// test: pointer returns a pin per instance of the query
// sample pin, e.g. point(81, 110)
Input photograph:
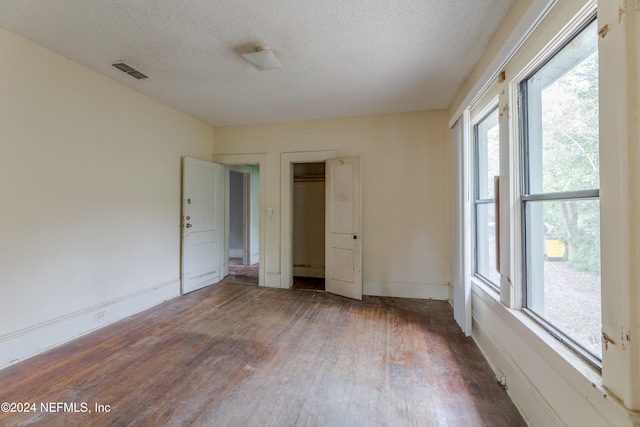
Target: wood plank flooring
point(308, 283)
point(235, 354)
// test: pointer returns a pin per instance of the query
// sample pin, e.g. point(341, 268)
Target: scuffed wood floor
point(238, 355)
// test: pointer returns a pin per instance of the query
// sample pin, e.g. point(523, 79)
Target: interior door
point(202, 219)
point(343, 225)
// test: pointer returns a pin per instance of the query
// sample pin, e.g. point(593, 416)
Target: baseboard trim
point(308, 271)
point(273, 280)
point(520, 388)
point(437, 291)
point(28, 342)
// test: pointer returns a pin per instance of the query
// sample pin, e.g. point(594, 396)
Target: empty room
point(421, 213)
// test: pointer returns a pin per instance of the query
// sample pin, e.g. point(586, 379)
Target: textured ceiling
point(342, 57)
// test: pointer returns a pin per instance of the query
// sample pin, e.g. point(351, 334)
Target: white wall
point(548, 382)
point(90, 184)
point(406, 215)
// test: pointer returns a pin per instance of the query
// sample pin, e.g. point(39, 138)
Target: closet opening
point(308, 233)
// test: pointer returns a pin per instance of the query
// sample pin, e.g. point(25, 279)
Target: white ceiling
point(342, 57)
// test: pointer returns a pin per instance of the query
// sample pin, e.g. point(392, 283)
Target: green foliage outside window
point(571, 161)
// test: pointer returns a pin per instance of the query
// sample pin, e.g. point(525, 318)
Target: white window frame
point(525, 195)
point(476, 200)
point(618, 65)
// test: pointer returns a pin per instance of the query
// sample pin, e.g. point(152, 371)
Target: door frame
point(287, 161)
point(244, 160)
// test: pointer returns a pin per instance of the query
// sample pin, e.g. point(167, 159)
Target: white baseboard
point(437, 291)
point(531, 404)
point(273, 280)
point(22, 344)
point(308, 271)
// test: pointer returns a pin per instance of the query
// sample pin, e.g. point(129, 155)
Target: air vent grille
point(130, 70)
point(137, 74)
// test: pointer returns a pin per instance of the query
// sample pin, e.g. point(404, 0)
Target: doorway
point(308, 226)
point(343, 220)
point(243, 222)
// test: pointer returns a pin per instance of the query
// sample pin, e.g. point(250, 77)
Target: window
point(486, 166)
point(560, 194)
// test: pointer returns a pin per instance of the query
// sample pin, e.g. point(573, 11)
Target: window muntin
point(561, 213)
point(486, 166)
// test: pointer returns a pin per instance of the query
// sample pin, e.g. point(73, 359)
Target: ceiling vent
point(130, 70)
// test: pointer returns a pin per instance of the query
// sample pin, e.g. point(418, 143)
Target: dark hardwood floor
point(308, 283)
point(235, 354)
point(244, 273)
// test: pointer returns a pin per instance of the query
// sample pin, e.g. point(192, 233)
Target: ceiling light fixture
point(263, 59)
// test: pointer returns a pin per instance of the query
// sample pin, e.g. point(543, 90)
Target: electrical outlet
point(99, 316)
point(502, 380)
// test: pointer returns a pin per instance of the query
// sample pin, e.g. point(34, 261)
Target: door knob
point(355, 237)
point(188, 226)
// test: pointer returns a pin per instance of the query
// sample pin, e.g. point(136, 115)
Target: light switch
point(269, 211)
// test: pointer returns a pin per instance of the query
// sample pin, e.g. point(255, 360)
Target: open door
point(343, 247)
point(202, 219)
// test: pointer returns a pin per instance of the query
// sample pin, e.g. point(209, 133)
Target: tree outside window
point(561, 194)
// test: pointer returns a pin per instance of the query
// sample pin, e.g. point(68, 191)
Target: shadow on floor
point(308, 283)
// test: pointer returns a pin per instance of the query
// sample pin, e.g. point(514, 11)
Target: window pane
point(562, 112)
point(487, 165)
point(562, 247)
point(488, 155)
point(486, 242)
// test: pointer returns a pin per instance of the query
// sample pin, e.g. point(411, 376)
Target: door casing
point(287, 161)
point(261, 161)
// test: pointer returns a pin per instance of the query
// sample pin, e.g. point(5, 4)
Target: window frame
point(477, 201)
point(526, 197)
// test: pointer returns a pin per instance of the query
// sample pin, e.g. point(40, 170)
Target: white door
point(343, 247)
point(202, 219)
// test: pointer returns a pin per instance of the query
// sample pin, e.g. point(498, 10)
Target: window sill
point(478, 284)
point(546, 344)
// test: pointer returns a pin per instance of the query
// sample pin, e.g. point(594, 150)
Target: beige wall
point(90, 192)
point(406, 210)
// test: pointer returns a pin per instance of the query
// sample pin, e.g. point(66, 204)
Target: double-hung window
point(486, 167)
point(560, 194)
